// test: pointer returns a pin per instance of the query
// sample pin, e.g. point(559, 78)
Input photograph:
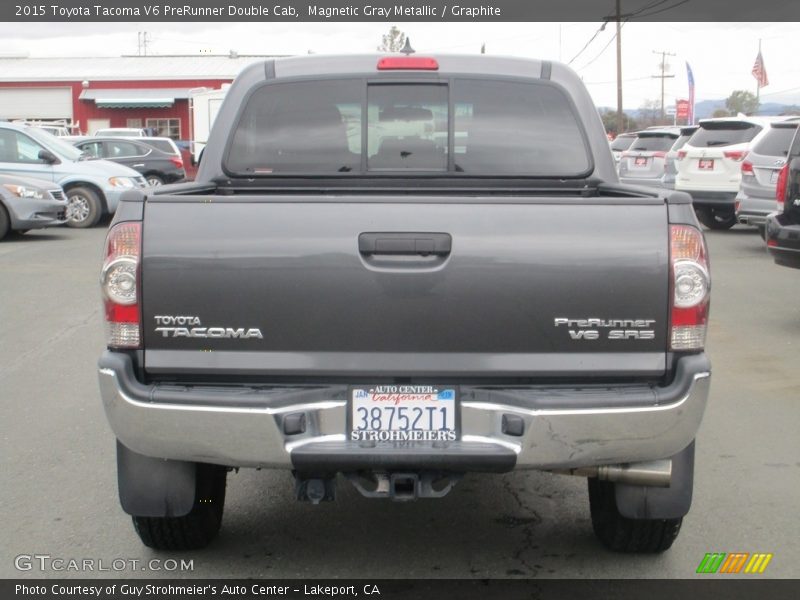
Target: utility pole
point(664, 55)
point(620, 125)
point(142, 42)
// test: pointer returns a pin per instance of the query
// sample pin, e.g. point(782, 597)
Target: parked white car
point(709, 165)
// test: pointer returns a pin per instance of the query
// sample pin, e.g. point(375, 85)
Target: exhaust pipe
point(655, 473)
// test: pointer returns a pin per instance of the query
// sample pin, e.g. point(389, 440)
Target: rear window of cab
point(460, 127)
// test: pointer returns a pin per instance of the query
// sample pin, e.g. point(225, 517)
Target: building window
point(134, 123)
point(170, 128)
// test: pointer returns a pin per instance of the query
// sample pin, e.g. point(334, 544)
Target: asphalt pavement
point(58, 490)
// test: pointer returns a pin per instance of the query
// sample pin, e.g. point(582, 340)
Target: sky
point(721, 54)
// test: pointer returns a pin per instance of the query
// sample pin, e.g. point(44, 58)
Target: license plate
point(640, 161)
point(705, 164)
point(403, 413)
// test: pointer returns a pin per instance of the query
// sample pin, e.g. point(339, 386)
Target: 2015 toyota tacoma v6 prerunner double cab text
point(401, 269)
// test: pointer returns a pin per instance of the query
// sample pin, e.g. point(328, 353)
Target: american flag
point(760, 72)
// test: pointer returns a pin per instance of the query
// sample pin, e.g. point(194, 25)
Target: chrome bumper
point(563, 427)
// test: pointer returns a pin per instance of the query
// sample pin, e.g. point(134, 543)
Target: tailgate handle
point(417, 244)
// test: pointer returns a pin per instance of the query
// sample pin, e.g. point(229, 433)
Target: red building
point(127, 91)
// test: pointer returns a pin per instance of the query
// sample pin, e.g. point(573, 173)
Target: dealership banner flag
point(760, 71)
point(690, 75)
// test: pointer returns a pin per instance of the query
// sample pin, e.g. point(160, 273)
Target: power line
point(603, 50)
point(603, 26)
point(586, 45)
point(644, 8)
point(624, 81)
point(666, 8)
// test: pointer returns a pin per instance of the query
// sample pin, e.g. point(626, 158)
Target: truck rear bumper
point(502, 428)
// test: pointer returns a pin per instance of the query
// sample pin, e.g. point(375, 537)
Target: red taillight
point(690, 288)
point(413, 63)
point(119, 281)
point(176, 161)
point(736, 155)
point(781, 185)
point(747, 168)
point(681, 155)
point(659, 154)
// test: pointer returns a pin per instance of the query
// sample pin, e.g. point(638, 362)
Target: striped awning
point(136, 98)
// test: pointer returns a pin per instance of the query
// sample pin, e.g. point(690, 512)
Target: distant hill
point(705, 108)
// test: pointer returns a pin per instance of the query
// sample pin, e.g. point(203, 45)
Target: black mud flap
point(154, 487)
point(673, 502)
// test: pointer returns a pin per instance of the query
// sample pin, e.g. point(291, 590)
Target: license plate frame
point(705, 164)
point(391, 392)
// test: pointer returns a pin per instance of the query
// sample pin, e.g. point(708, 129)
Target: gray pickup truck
point(396, 270)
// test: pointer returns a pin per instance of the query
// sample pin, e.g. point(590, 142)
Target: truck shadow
point(514, 525)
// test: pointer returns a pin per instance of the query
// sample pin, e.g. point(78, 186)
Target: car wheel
point(196, 529)
point(622, 534)
point(83, 207)
point(716, 219)
point(5, 222)
point(154, 180)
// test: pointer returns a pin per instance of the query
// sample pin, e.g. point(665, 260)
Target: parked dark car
point(157, 166)
point(783, 226)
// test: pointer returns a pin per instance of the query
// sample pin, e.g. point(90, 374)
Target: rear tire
point(714, 218)
point(84, 208)
point(154, 180)
point(621, 534)
point(196, 529)
point(5, 222)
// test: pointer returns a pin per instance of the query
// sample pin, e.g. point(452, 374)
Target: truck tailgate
point(445, 287)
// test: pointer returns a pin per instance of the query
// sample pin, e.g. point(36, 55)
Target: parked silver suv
point(760, 169)
point(643, 162)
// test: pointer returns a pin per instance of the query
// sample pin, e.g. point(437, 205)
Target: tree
point(742, 101)
point(609, 118)
point(392, 41)
point(650, 114)
point(720, 112)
